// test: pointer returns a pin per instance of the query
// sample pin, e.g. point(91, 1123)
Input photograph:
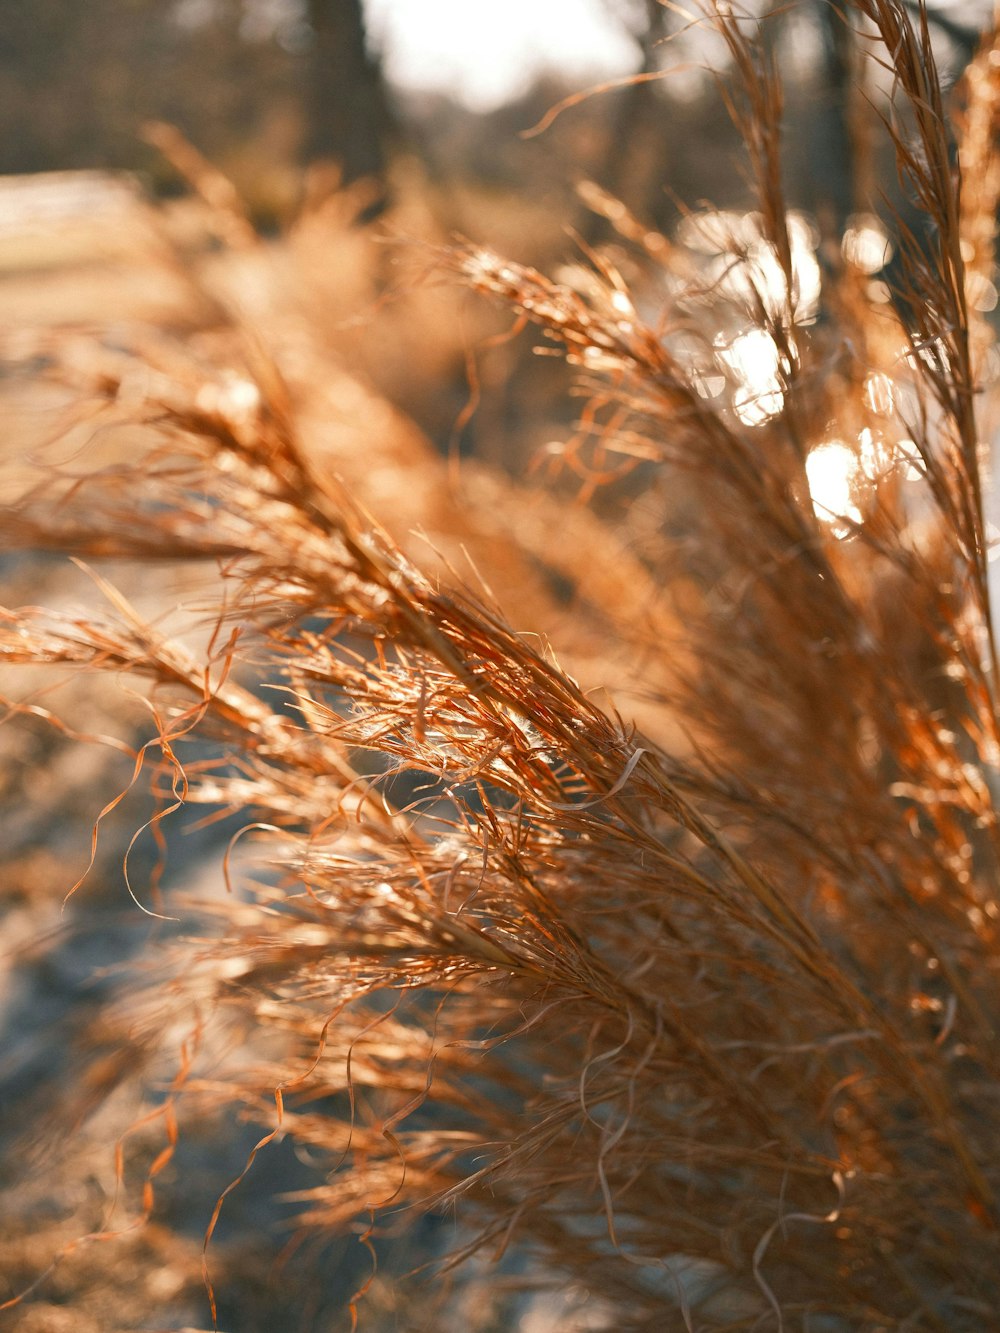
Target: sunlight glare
point(866, 245)
point(755, 362)
point(745, 264)
point(831, 470)
point(874, 459)
point(880, 394)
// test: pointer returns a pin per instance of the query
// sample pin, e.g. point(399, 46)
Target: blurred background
point(429, 108)
point(267, 87)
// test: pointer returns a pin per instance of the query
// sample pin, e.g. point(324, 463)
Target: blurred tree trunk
point(348, 113)
point(840, 162)
point(634, 165)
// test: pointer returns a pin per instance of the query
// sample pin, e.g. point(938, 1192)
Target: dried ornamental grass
point(709, 1034)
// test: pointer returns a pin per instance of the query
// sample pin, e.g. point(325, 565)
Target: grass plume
point(697, 1010)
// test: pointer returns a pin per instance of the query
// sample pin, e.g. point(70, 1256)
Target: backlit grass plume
point(682, 985)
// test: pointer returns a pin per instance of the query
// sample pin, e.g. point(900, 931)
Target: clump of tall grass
point(707, 1030)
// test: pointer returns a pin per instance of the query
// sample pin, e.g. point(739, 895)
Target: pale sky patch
point(484, 52)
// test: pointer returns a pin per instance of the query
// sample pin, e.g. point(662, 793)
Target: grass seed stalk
point(683, 990)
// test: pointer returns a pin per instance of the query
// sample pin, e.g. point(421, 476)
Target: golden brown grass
point(700, 1018)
